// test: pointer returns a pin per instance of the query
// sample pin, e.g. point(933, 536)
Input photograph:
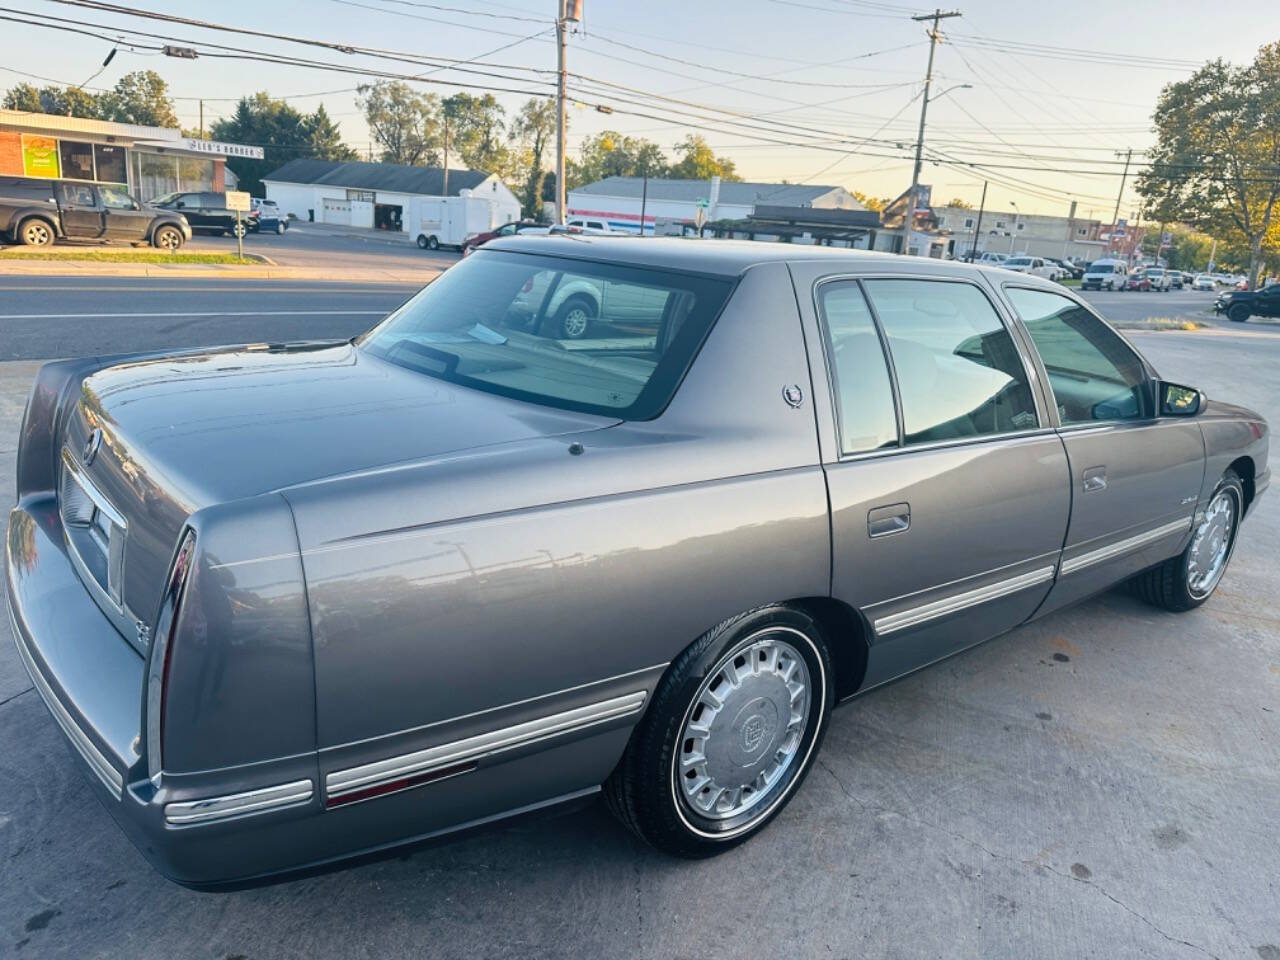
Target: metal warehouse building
point(377, 195)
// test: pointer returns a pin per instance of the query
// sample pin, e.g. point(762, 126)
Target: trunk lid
point(184, 432)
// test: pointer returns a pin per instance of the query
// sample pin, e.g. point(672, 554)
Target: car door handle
point(886, 521)
point(1095, 478)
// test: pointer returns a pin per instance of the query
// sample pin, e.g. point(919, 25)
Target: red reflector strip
point(395, 786)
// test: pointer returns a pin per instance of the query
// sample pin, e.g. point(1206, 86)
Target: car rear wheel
point(36, 233)
point(167, 238)
point(1238, 313)
point(1189, 579)
point(280, 227)
point(732, 730)
point(574, 318)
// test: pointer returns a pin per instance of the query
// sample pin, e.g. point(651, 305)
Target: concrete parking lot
point(1103, 783)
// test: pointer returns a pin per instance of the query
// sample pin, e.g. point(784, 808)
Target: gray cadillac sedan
point(586, 514)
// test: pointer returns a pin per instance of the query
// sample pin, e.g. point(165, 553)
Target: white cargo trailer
point(447, 221)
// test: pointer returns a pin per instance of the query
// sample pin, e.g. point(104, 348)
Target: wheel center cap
point(753, 731)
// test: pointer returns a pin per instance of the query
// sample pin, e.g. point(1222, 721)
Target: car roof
point(730, 258)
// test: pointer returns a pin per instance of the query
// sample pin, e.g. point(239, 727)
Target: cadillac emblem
point(91, 446)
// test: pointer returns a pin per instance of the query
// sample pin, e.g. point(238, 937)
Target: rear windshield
point(1018, 262)
point(594, 337)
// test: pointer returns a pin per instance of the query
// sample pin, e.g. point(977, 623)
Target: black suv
point(36, 211)
point(1240, 305)
point(205, 211)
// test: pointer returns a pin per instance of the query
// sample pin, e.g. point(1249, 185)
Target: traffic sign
point(238, 200)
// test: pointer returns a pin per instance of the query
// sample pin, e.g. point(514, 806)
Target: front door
point(948, 508)
point(81, 214)
point(125, 218)
point(1135, 476)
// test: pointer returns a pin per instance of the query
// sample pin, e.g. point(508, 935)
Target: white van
point(1105, 275)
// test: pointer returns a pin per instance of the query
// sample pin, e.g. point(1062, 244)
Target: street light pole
point(909, 219)
point(567, 11)
point(1013, 234)
point(977, 229)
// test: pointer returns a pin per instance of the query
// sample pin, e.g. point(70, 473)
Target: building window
point(364, 196)
point(195, 174)
point(968, 224)
point(156, 174)
point(1081, 231)
point(999, 224)
point(1022, 226)
point(77, 159)
point(108, 162)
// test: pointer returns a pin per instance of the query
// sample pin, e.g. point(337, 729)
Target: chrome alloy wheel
point(1211, 545)
point(743, 733)
point(575, 322)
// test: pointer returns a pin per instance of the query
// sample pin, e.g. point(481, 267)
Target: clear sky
point(838, 75)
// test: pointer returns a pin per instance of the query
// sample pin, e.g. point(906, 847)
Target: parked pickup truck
point(1240, 305)
point(35, 211)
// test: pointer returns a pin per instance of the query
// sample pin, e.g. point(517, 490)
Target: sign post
point(238, 201)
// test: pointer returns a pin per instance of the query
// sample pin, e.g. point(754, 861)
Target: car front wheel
point(167, 238)
point(1189, 579)
point(1238, 313)
point(732, 730)
point(574, 318)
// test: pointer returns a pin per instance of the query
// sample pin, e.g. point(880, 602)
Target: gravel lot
point(1103, 783)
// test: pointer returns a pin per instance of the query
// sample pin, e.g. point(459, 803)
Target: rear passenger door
point(948, 489)
point(81, 213)
point(1135, 476)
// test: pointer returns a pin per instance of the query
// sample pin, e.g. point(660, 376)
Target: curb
point(50, 268)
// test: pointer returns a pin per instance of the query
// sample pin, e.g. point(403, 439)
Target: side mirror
point(1179, 401)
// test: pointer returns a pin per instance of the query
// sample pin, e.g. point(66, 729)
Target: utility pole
point(202, 119)
point(567, 11)
point(977, 230)
point(445, 191)
point(909, 221)
point(644, 197)
point(1123, 177)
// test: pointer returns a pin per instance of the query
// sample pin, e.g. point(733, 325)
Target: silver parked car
point(290, 603)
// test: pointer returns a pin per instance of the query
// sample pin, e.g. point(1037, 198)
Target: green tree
point(477, 127)
point(140, 97)
point(324, 139)
point(532, 129)
point(404, 122)
point(698, 162)
point(61, 101)
point(610, 154)
point(1216, 163)
point(284, 134)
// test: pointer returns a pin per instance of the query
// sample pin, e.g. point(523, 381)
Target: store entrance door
point(388, 216)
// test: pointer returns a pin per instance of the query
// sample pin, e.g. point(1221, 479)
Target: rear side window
point(959, 373)
point(860, 376)
point(1094, 374)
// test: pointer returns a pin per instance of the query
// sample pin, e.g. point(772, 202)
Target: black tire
point(433, 242)
point(238, 230)
point(1168, 585)
point(280, 228)
point(643, 792)
point(422, 242)
point(574, 318)
point(1237, 313)
point(167, 238)
point(36, 232)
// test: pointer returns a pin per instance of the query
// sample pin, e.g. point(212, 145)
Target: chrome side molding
point(237, 804)
point(1124, 546)
point(111, 778)
point(962, 601)
point(460, 756)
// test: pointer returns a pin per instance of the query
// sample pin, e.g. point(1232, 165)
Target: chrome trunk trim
point(1124, 546)
point(342, 782)
point(111, 778)
point(962, 601)
point(239, 804)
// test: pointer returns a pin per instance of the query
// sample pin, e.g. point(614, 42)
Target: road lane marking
point(211, 313)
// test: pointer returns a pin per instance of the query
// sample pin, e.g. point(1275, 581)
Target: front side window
point(115, 198)
point(600, 338)
point(1094, 374)
point(959, 373)
point(860, 376)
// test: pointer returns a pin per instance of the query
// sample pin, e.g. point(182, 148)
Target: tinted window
point(959, 374)
point(77, 160)
point(79, 195)
point(115, 198)
point(601, 338)
point(1094, 374)
point(864, 396)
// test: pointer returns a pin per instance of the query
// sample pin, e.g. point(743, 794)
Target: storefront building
point(150, 161)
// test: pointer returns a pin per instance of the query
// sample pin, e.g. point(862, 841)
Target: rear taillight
point(162, 650)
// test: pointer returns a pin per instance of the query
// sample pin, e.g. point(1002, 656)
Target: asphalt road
point(1102, 783)
point(1132, 307)
point(318, 245)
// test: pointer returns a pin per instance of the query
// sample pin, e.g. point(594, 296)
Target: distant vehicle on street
point(1137, 281)
point(592, 226)
point(206, 211)
point(296, 603)
point(1158, 279)
point(265, 215)
point(35, 211)
point(1034, 266)
point(1070, 269)
point(1240, 305)
point(1105, 275)
point(1176, 279)
point(991, 258)
point(1203, 282)
point(506, 230)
